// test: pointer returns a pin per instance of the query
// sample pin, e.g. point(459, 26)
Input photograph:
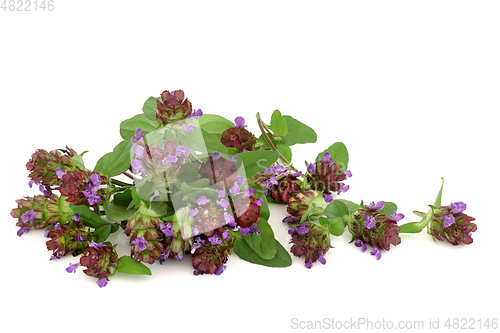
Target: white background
point(411, 88)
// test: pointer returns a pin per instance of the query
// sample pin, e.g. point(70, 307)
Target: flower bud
point(450, 224)
point(70, 238)
point(172, 107)
point(327, 176)
point(239, 138)
point(101, 261)
point(301, 202)
point(310, 240)
point(43, 165)
point(83, 187)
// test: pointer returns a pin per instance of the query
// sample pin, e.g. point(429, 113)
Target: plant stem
point(120, 183)
point(262, 127)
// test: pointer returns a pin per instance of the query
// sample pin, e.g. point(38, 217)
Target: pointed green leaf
point(351, 206)
point(129, 126)
point(90, 218)
point(336, 208)
point(263, 244)
point(298, 133)
point(149, 108)
point(285, 151)
point(116, 162)
point(411, 228)
point(336, 225)
point(101, 233)
point(215, 124)
point(128, 265)
point(257, 161)
point(117, 212)
point(281, 259)
point(278, 124)
point(388, 209)
point(437, 202)
point(338, 152)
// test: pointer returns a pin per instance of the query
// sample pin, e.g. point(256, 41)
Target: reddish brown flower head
point(373, 228)
point(239, 138)
point(172, 107)
point(247, 211)
point(69, 238)
point(310, 240)
point(327, 176)
point(83, 187)
point(220, 172)
point(43, 165)
point(450, 224)
point(209, 258)
point(101, 261)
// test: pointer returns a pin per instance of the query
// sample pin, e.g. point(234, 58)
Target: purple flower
point(76, 217)
point(343, 189)
point(229, 220)
point(448, 220)
point(309, 264)
point(140, 243)
point(259, 202)
point(166, 229)
point(97, 245)
point(189, 128)
point(239, 180)
point(239, 122)
point(290, 219)
point(139, 151)
point(235, 189)
point(225, 235)
point(396, 217)
point(223, 203)
point(95, 179)
point(369, 222)
point(458, 207)
point(57, 227)
point(326, 158)
point(137, 166)
point(215, 240)
point(196, 114)
point(221, 193)
point(297, 174)
point(93, 199)
point(102, 282)
point(203, 200)
point(23, 230)
point(60, 173)
point(311, 168)
point(361, 244)
point(72, 268)
point(138, 135)
point(321, 259)
point(348, 174)
point(302, 229)
point(193, 212)
point(377, 206)
point(248, 192)
point(28, 216)
point(182, 151)
point(376, 252)
point(328, 197)
point(169, 159)
point(80, 238)
point(215, 156)
point(220, 269)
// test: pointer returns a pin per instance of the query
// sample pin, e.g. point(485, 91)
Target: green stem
point(263, 129)
point(120, 183)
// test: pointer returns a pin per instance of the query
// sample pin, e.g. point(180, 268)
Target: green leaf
point(281, 259)
point(213, 144)
point(388, 209)
point(285, 151)
point(78, 161)
point(101, 233)
point(278, 124)
point(437, 202)
point(338, 152)
point(129, 126)
point(262, 244)
point(214, 124)
point(257, 161)
point(90, 218)
point(149, 108)
point(128, 265)
point(117, 212)
point(298, 133)
point(336, 208)
point(336, 225)
point(411, 228)
point(118, 161)
point(351, 206)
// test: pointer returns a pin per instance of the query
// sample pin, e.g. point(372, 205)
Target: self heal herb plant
point(184, 185)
